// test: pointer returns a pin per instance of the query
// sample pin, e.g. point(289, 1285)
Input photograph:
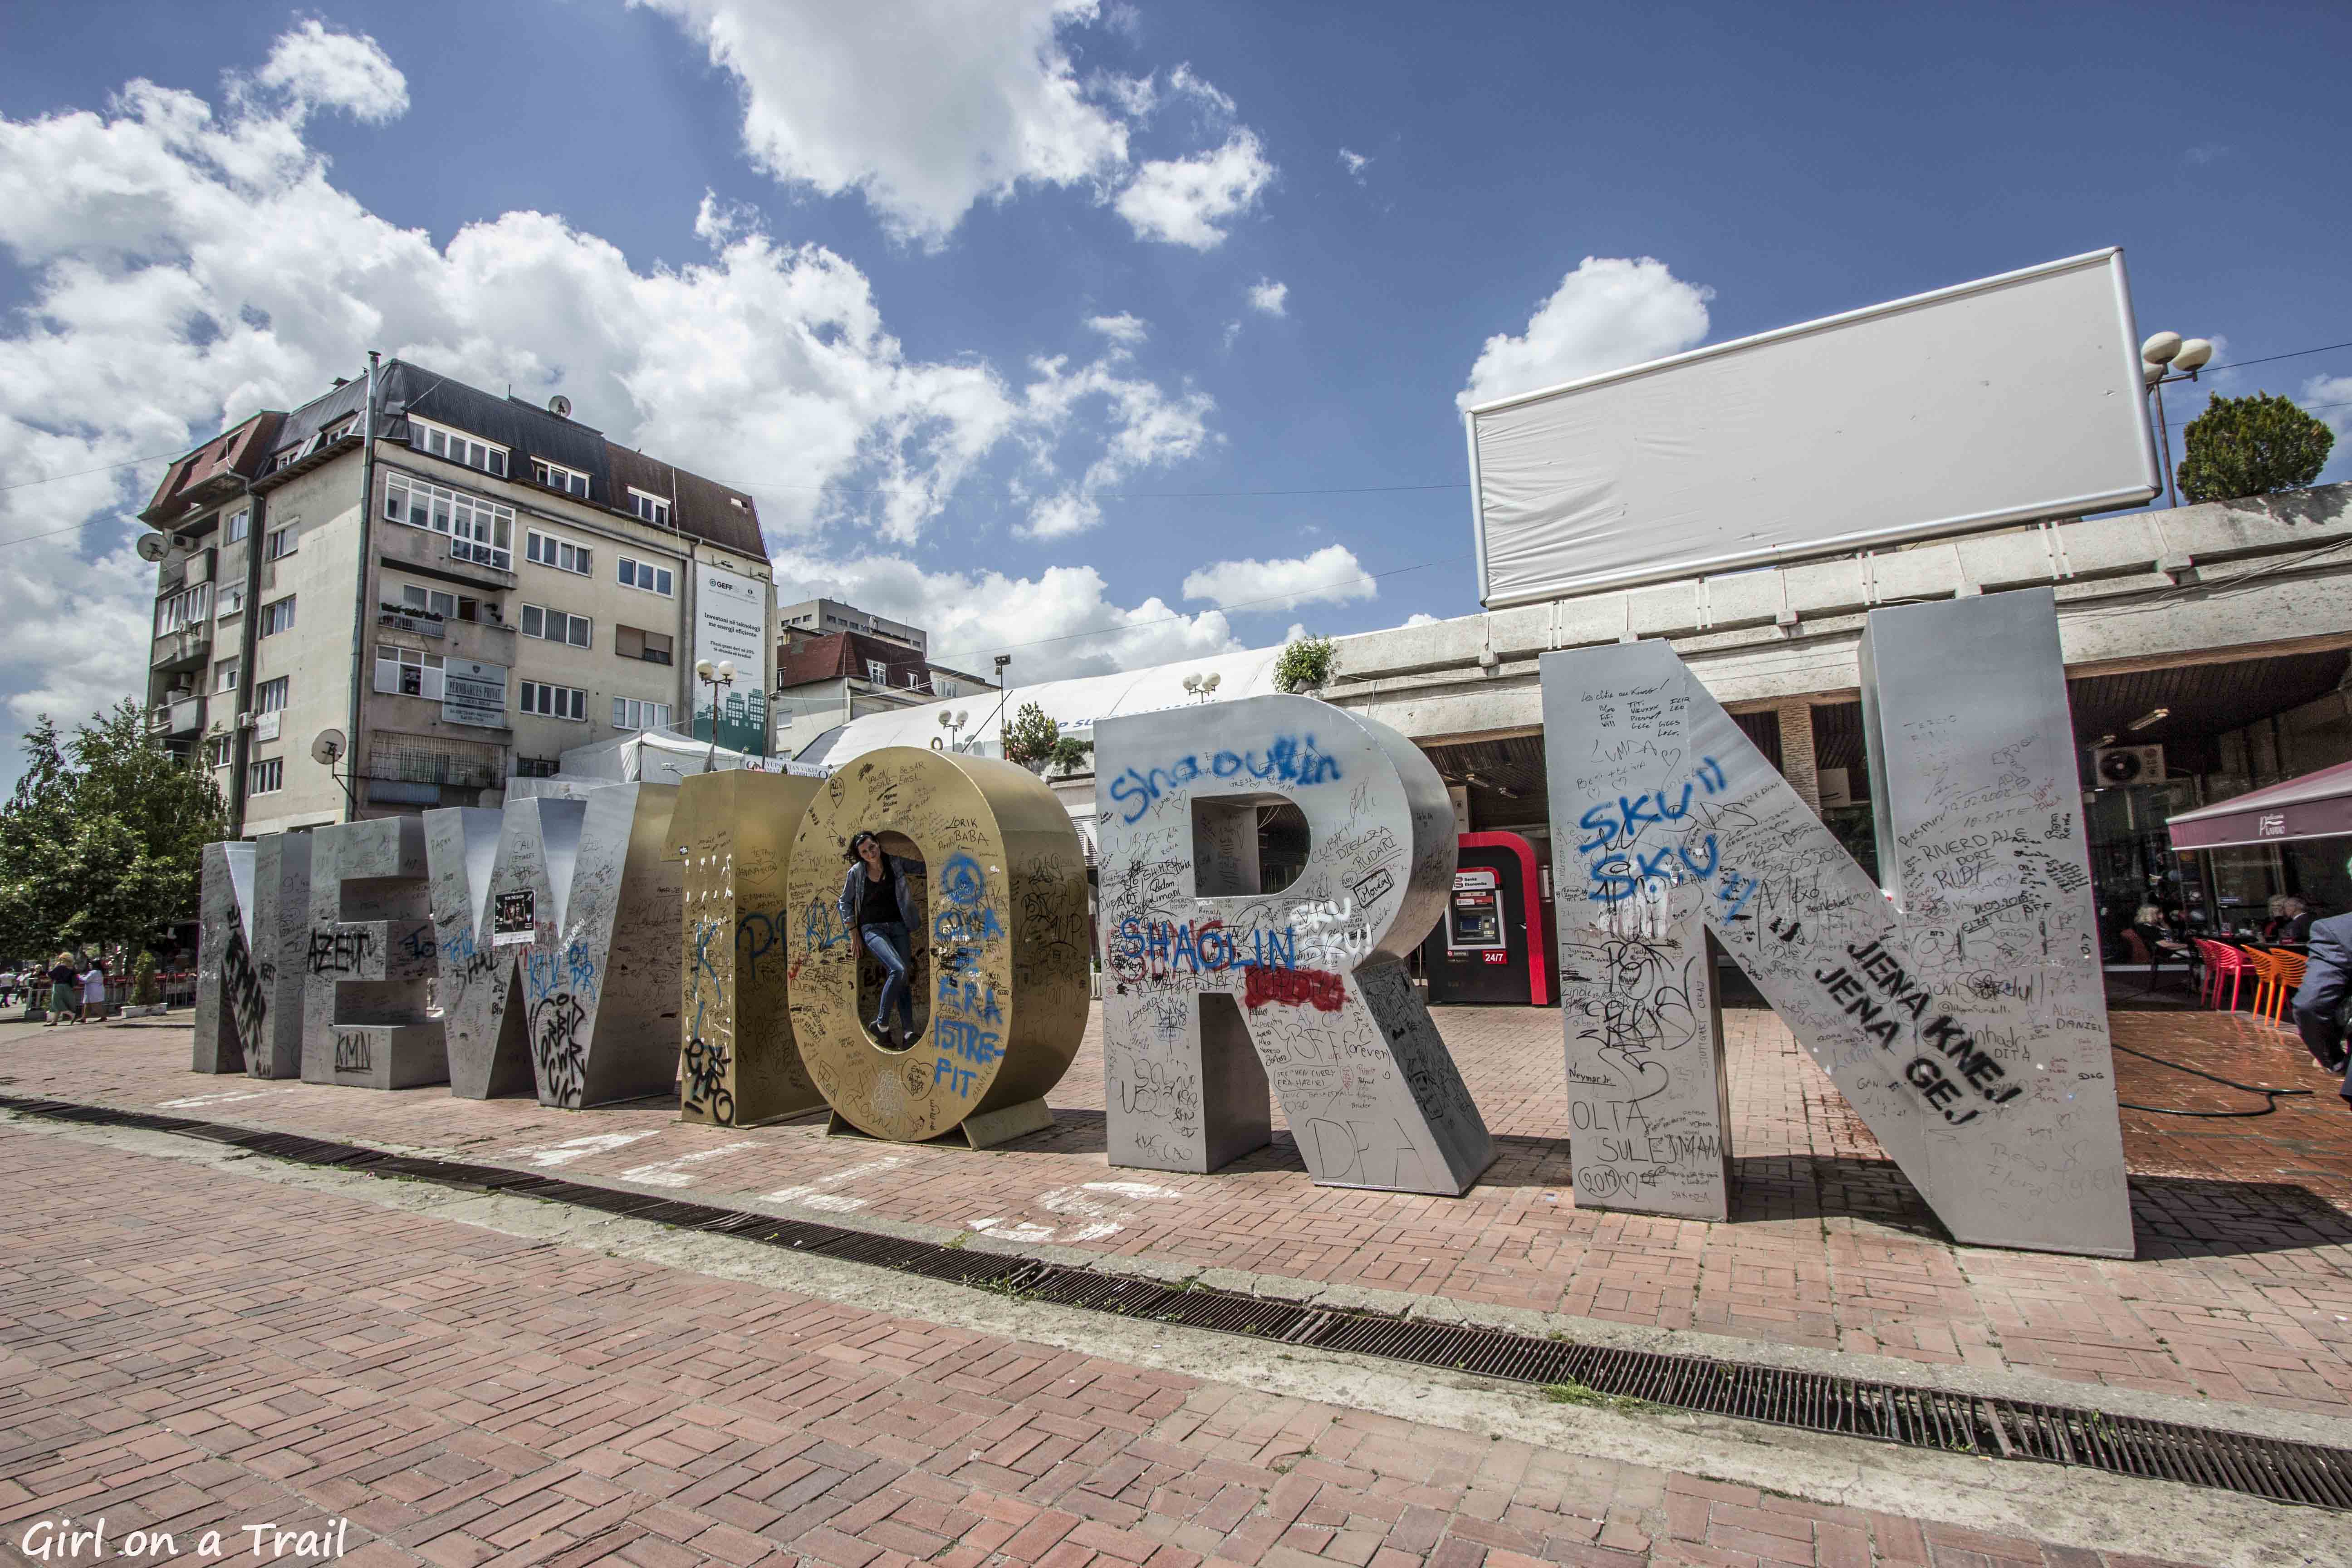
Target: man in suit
point(2326, 983)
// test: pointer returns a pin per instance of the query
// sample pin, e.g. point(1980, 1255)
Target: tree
point(2251, 447)
point(103, 843)
point(1030, 739)
point(1305, 665)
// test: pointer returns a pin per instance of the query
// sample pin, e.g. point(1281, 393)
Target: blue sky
point(978, 297)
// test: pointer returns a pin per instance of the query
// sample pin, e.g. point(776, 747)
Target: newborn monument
point(1216, 987)
point(1960, 1011)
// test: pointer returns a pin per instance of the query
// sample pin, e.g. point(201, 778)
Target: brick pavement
point(182, 1349)
point(2242, 1290)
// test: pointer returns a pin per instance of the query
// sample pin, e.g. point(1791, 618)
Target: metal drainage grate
point(2265, 1467)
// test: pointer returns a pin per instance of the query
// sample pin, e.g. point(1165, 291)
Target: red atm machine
point(1496, 943)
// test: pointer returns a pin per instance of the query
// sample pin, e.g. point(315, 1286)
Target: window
point(547, 550)
point(479, 530)
point(270, 695)
point(555, 701)
point(282, 542)
point(191, 607)
point(556, 626)
point(628, 713)
point(652, 509)
point(645, 574)
point(423, 435)
point(348, 426)
point(266, 778)
point(635, 642)
point(538, 767)
point(234, 528)
point(877, 672)
point(216, 751)
point(556, 477)
point(410, 673)
point(224, 676)
point(431, 601)
point(945, 688)
point(232, 600)
point(278, 615)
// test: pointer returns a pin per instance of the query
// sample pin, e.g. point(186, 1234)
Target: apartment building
point(830, 617)
point(826, 679)
point(458, 587)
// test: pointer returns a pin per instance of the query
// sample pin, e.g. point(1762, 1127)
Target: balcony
point(437, 555)
point(186, 648)
point(417, 623)
point(181, 716)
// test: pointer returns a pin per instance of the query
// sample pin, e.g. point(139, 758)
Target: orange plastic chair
point(2289, 974)
point(2266, 977)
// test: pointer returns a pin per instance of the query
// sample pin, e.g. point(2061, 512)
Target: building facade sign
point(733, 621)
point(476, 693)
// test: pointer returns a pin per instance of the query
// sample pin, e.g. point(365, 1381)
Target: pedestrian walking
point(880, 909)
point(93, 992)
point(2319, 1001)
point(62, 984)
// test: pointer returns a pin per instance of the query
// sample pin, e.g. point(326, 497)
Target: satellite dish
point(153, 547)
point(560, 405)
point(328, 749)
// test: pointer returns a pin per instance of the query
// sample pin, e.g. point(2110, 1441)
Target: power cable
point(2269, 1105)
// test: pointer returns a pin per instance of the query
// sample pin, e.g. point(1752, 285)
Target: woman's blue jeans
point(888, 944)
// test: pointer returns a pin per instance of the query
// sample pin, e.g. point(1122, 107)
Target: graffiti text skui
point(1288, 760)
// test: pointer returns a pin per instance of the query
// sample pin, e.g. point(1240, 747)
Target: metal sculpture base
point(987, 1129)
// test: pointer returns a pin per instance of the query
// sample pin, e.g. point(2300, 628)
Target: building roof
point(700, 508)
point(806, 660)
point(218, 466)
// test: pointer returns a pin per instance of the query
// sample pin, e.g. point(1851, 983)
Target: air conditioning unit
point(1836, 786)
point(185, 542)
point(2117, 767)
point(244, 719)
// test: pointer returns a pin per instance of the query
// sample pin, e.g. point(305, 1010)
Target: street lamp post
point(2162, 355)
point(714, 676)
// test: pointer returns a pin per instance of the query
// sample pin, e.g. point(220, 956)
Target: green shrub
point(2253, 446)
point(1305, 665)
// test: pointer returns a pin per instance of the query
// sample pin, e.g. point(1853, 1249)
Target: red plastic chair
point(2222, 961)
point(2266, 973)
point(2290, 967)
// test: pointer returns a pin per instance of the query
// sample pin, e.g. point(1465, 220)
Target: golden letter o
point(1005, 928)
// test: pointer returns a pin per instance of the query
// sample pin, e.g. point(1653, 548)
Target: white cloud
point(1184, 201)
point(1124, 329)
point(319, 70)
point(1060, 623)
point(185, 268)
point(1331, 575)
point(1421, 618)
point(928, 110)
point(1355, 163)
point(2329, 400)
point(1610, 312)
point(1269, 295)
point(2205, 154)
point(1144, 427)
point(925, 110)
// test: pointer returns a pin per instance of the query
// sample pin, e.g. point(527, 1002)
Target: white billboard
point(1990, 402)
point(734, 616)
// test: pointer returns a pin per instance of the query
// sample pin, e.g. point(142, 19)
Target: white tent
point(659, 756)
point(1073, 704)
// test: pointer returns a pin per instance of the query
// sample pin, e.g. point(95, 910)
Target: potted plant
point(1305, 666)
point(146, 993)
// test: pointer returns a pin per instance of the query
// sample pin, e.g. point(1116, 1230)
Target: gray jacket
point(910, 908)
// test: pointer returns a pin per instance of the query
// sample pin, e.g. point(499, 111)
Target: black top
point(877, 903)
point(63, 974)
